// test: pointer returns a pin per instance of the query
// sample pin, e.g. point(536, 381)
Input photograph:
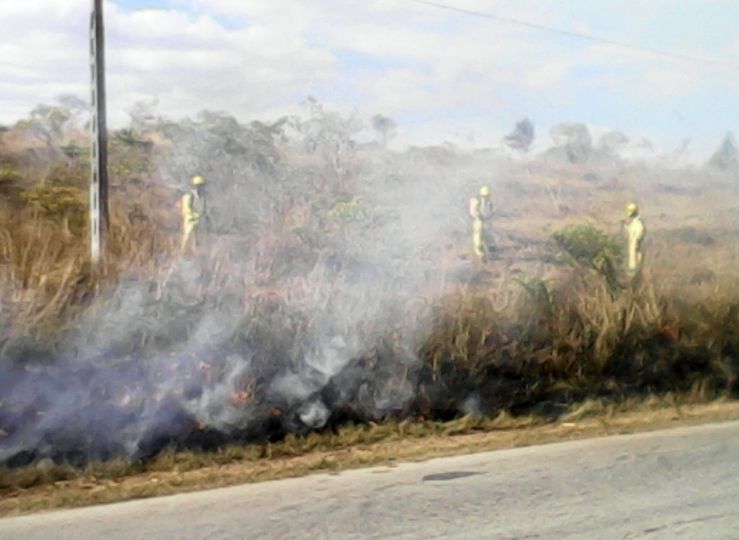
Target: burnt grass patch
point(337, 288)
point(474, 360)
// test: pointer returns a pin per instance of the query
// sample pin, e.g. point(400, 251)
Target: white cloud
point(547, 76)
point(670, 82)
point(257, 58)
point(187, 62)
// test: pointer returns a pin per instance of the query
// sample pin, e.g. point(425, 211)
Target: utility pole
point(99, 136)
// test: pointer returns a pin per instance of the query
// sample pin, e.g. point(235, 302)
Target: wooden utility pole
point(99, 136)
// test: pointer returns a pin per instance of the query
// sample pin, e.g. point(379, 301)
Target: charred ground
point(336, 285)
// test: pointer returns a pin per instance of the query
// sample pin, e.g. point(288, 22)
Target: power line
point(579, 35)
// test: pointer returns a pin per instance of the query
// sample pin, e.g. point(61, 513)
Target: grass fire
point(336, 282)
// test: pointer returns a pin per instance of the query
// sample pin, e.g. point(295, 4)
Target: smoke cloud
point(308, 299)
point(307, 304)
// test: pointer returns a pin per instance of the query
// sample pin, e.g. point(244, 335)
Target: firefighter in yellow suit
point(481, 210)
point(193, 213)
point(635, 232)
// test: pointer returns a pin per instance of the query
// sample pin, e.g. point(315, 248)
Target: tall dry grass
point(500, 338)
point(556, 346)
point(490, 347)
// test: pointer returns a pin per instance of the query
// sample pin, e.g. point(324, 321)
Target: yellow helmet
point(484, 191)
point(632, 209)
point(198, 181)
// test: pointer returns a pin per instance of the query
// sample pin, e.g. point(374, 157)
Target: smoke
point(574, 140)
point(612, 141)
point(308, 300)
point(307, 304)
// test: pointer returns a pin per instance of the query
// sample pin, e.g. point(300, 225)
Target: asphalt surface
point(680, 483)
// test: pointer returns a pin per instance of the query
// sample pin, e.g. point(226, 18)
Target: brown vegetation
point(47, 486)
point(310, 240)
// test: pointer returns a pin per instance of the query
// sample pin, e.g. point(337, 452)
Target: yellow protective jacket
point(193, 207)
point(481, 208)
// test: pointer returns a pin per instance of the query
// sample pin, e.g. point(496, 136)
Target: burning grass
point(47, 486)
point(353, 303)
point(199, 369)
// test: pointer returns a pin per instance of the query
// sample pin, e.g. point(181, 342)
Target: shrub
point(588, 246)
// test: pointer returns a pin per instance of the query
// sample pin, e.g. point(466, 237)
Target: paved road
point(680, 483)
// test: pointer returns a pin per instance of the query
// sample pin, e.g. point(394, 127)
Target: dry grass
point(47, 487)
point(530, 333)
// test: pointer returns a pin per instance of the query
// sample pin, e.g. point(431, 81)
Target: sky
point(443, 76)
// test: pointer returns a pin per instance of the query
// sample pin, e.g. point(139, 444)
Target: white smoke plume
point(308, 300)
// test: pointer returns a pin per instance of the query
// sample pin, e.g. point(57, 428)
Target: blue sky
point(444, 76)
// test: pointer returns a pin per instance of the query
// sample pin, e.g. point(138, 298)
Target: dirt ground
point(35, 489)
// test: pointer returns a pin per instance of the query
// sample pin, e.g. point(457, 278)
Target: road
point(679, 483)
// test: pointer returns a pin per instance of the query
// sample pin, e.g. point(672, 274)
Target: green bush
point(587, 245)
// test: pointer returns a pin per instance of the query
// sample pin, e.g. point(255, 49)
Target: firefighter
point(194, 211)
point(635, 231)
point(481, 210)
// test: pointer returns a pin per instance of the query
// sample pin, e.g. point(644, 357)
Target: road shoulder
point(34, 489)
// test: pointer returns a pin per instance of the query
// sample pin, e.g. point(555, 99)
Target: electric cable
point(578, 35)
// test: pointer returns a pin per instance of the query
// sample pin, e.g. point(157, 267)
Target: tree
point(143, 115)
point(611, 141)
point(574, 139)
point(726, 157)
point(385, 127)
point(58, 128)
point(521, 137)
point(49, 123)
point(331, 135)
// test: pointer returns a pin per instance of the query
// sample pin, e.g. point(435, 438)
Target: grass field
point(336, 286)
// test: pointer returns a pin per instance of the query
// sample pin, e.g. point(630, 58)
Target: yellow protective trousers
point(191, 206)
point(189, 237)
point(480, 239)
point(635, 231)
